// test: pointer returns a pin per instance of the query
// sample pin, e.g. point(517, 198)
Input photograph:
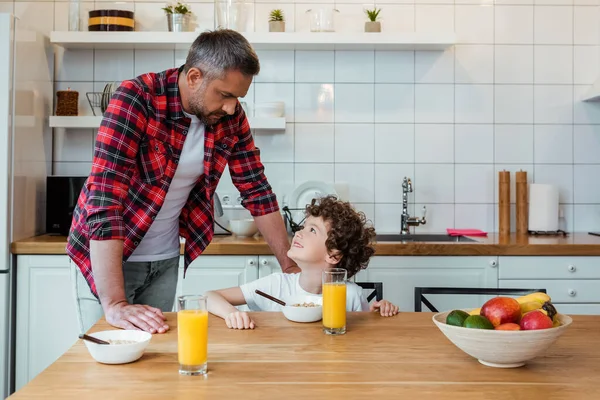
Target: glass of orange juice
point(334, 301)
point(192, 334)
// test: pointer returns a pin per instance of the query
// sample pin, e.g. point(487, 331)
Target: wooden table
point(403, 357)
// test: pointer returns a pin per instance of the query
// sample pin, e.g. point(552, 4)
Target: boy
point(333, 235)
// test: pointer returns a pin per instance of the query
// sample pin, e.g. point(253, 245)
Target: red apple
point(509, 326)
point(534, 320)
point(501, 310)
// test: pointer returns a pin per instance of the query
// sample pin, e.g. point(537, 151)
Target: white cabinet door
point(400, 276)
point(267, 265)
point(218, 272)
point(46, 317)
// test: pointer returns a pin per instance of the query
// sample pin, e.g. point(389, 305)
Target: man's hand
point(239, 320)
point(137, 317)
point(291, 268)
point(386, 308)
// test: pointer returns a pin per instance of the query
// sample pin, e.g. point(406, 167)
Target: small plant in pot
point(276, 21)
point(178, 17)
point(372, 25)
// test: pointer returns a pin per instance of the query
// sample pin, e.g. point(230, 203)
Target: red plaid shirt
point(136, 153)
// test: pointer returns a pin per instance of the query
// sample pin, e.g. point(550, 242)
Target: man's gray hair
point(217, 52)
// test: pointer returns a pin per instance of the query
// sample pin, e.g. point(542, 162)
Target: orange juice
point(334, 305)
point(192, 337)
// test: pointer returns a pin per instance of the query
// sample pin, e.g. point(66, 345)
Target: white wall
point(506, 97)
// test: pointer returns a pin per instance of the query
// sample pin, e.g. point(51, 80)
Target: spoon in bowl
point(92, 339)
point(268, 296)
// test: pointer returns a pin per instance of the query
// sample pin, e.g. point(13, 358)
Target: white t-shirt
point(161, 242)
point(287, 286)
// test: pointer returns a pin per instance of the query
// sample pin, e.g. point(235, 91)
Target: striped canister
point(111, 20)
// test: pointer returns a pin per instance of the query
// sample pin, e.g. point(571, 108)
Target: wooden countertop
point(402, 357)
point(576, 244)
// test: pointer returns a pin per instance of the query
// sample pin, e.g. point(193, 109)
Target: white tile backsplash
point(514, 144)
point(276, 66)
point(434, 143)
point(474, 64)
point(394, 66)
point(434, 18)
point(586, 144)
point(394, 143)
point(394, 103)
point(434, 103)
point(586, 25)
point(347, 70)
point(513, 24)
point(513, 64)
point(434, 183)
point(314, 143)
point(506, 96)
point(474, 24)
point(354, 102)
point(355, 143)
point(314, 66)
point(513, 104)
point(553, 64)
point(548, 19)
point(553, 144)
point(474, 104)
point(434, 66)
point(474, 144)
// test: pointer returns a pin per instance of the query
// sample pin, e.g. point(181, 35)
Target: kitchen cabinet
point(571, 282)
point(267, 265)
point(46, 317)
point(400, 275)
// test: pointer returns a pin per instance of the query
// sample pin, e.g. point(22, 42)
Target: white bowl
point(303, 314)
point(118, 353)
point(502, 349)
point(243, 227)
point(275, 109)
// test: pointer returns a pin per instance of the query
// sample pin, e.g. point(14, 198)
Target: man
point(162, 146)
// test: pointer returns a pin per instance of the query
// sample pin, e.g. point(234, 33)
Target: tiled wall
point(506, 97)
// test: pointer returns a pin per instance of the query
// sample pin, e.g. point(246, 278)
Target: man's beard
point(199, 110)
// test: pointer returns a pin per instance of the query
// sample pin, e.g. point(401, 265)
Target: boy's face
point(308, 245)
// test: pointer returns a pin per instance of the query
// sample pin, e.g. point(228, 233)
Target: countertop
point(576, 244)
point(400, 357)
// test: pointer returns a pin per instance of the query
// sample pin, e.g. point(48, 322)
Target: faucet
point(406, 220)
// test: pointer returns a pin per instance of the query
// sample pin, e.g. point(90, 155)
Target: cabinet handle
point(572, 292)
point(264, 261)
point(571, 268)
point(493, 263)
point(251, 262)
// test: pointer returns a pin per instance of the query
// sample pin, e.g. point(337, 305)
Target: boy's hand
point(239, 320)
point(386, 308)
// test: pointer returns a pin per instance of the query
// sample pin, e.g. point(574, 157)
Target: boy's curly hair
point(348, 233)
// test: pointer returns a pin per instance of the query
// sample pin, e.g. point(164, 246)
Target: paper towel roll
point(543, 207)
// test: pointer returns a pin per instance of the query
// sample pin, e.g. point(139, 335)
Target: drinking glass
point(192, 334)
point(334, 301)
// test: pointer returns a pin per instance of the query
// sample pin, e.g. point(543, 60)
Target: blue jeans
point(152, 283)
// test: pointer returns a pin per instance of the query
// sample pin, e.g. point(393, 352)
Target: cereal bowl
point(303, 309)
point(125, 346)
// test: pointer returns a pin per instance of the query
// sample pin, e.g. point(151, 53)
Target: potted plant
point(372, 25)
point(178, 17)
point(276, 21)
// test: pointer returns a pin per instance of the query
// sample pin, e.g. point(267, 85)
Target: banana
point(555, 322)
point(540, 297)
point(475, 311)
point(530, 306)
point(546, 307)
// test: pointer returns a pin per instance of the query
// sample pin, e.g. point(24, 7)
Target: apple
point(534, 320)
point(501, 310)
point(509, 326)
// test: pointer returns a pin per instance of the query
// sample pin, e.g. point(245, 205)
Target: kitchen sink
point(421, 237)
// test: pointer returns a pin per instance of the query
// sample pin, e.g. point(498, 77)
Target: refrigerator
point(7, 274)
